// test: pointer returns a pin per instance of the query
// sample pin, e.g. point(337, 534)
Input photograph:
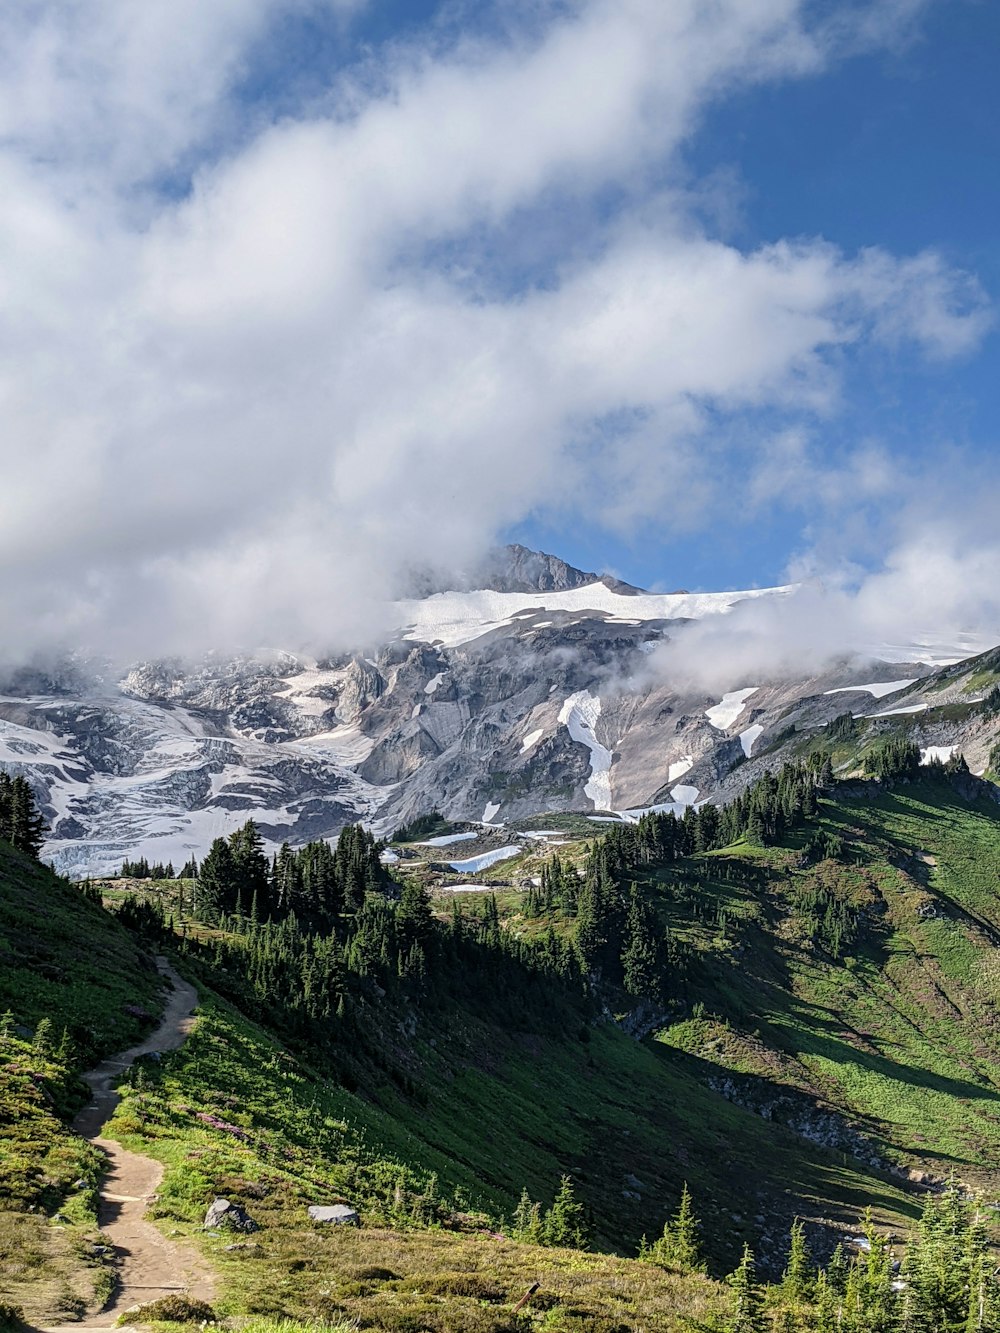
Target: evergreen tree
point(20, 823)
point(679, 1246)
point(797, 1280)
point(643, 959)
point(565, 1222)
point(747, 1311)
point(218, 882)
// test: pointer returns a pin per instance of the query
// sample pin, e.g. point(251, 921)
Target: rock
point(340, 1214)
point(633, 1183)
point(229, 1216)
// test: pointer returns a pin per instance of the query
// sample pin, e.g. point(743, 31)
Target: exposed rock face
point(511, 703)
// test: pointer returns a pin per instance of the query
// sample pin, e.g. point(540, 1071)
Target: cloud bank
point(254, 368)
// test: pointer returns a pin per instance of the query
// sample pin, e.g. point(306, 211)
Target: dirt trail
point(151, 1265)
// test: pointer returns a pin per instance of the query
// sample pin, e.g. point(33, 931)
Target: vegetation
point(74, 987)
point(816, 977)
point(20, 823)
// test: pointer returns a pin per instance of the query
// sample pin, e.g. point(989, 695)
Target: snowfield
point(722, 715)
point(453, 618)
point(579, 715)
point(899, 712)
point(748, 737)
point(878, 688)
point(449, 839)
point(474, 864)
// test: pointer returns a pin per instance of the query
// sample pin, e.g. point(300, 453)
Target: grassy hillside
point(74, 986)
point(829, 1043)
point(899, 1032)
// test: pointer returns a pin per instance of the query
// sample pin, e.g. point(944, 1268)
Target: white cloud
point(235, 417)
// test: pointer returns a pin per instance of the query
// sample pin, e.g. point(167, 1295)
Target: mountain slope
point(488, 705)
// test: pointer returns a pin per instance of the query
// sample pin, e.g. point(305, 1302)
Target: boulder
point(227, 1216)
point(339, 1214)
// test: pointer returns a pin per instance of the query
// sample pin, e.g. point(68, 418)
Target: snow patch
point(898, 712)
point(684, 795)
point(579, 715)
point(938, 753)
point(434, 682)
point(447, 839)
point(878, 688)
point(748, 737)
point(722, 715)
point(474, 864)
point(679, 767)
point(532, 739)
point(492, 809)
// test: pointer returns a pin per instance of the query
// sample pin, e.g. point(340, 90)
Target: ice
point(346, 745)
point(679, 767)
point(723, 715)
point(532, 739)
point(447, 839)
point(474, 864)
point(878, 688)
point(748, 737)
point(579, 715)
point(453, 618)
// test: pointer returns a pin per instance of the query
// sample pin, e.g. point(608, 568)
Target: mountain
point(540, 694)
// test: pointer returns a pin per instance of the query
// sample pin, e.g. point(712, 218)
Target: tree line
point(20, 822)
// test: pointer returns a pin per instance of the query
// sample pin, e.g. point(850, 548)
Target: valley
point(740, 945)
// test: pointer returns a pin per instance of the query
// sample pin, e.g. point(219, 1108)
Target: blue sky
point(897, 148)
point(303, 295)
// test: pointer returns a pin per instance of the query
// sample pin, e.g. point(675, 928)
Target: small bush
point(170, 1310)
point(476, 1285)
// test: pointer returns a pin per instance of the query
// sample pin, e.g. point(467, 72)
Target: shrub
point(170, 1310)
point(11, 1316)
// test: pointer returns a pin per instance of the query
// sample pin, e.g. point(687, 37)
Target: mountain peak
point(517, 568)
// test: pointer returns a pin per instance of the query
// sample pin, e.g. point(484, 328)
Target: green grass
point(782, 1082)
point(66, 965)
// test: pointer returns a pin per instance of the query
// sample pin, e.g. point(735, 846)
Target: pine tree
point(679, 1246)
point(643, 961)
point(565, 1222)
point(747, 1315)
point(527, 1225)
point(797, 1280)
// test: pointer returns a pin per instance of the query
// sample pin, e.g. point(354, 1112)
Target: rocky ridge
point(535, 696)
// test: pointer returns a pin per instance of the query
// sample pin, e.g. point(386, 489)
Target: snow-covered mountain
point(488, 704)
